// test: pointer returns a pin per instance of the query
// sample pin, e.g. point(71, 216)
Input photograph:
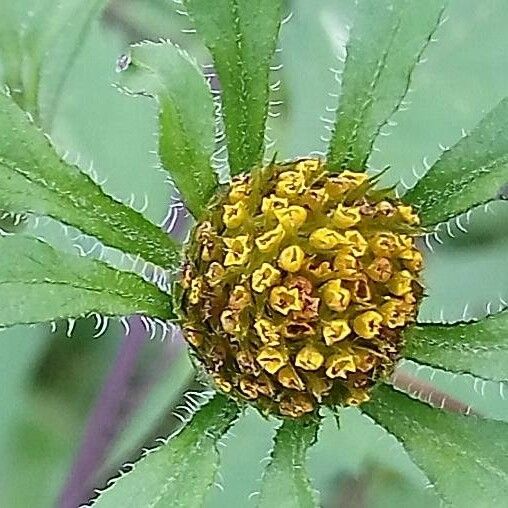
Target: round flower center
point(298, 284)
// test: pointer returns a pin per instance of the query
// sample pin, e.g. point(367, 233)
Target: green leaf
point(39, 42)
point(478, 348)
point(10, 45)
point(465, 457)
point(33, 179)
point(385, 44)
point(67, 27)
point(241, 36)
point(469, 174)
point(186, 117)
point(285, 480)
point(180, 472)
point(38, 283)
point(168, 388)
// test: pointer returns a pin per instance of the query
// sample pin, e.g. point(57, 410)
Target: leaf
point(10, 45)
point(285, 480)
point(167, 388)
point(33, 179)
point(39, 42)
point(241, 36)
point(186, 117)
point(386, 43)
point(180, 472)
point(466, 457)
point(68, 27)
point(478, 348)
point(469, 174)
point(38, 283)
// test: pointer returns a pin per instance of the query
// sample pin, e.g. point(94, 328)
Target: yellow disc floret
point(298, 285)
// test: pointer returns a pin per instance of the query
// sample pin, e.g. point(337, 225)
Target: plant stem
point(120, 396)
point(428, 392)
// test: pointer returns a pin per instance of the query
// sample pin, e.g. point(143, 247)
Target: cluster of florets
point(298, 284)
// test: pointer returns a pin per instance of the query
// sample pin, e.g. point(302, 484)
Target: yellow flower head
point(408, 214)
point(237, 249)
point(335, 331)
point(214, 273)
point(346, 265)
point(401, 283)
point(309, 358)
point(309, 168)
point(290, 184)
point(196, 287)
point(272, 203)
point(394, 313)
point(270, 359)
point(285, 300)
point(385, 244)
point(335, 296)
point(339, 364)
point(339, 185)
point(380, 269)
point(240, 190)
point(292, 217)
point(271, 239)
point(267, 332)
point(234, 215)
point(298, 285)
point(291, 258)
point(346, 216)
point(368, 324)
point(326, 239)
point(289, 378)
point(264, 277)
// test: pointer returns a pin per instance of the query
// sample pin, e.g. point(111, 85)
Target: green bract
point(463, 456)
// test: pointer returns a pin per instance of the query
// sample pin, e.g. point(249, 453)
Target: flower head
point(306, 289)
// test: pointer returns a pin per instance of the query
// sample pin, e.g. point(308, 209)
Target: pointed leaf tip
point(385, 44)
point(40, 284)
point(33, 179)
point(186, 116)
point(180, 472)
point(472, 173)
point(285, 480)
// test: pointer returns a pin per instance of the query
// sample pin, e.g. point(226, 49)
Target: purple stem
point(101, 426)
point(118, 398)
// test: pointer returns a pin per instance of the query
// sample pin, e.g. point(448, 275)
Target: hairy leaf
point(465, 457)
point(38, 283)
point(66, 26)
point(479, 348)
point(285, 480)
point(186, 117)
point(34, 179)
point(180, 472)
point(469, 174)
point(385, 44)
point(241, 36)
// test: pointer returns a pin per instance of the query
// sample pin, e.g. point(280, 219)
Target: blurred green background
point(50, 382)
